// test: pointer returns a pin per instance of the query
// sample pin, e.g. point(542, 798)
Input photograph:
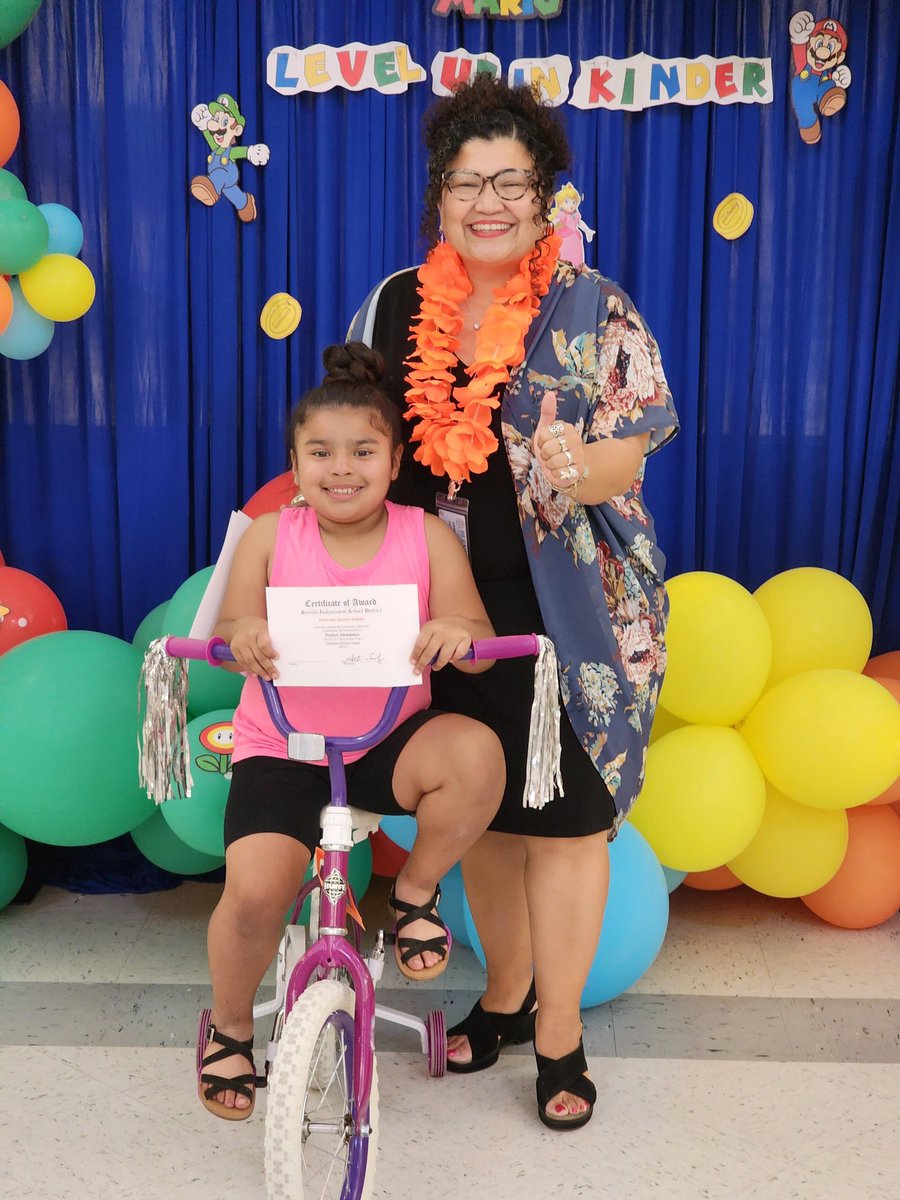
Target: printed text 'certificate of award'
point(344, 637)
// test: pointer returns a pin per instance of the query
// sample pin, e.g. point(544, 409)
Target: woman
point(534, 393)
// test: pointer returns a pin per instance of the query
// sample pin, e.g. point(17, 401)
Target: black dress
point(502, 696)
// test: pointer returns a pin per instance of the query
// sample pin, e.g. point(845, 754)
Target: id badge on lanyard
point(454, 511)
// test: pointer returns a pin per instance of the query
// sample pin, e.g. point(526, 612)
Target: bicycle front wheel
point(312, 1150)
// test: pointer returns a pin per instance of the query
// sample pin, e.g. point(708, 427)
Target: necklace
point(453, 423)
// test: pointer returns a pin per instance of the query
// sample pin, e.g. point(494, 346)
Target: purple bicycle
point(322, 1111)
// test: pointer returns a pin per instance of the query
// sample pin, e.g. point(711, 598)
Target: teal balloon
point(66, 231)
point(210, 687)
point(15, 17)
point(159, 844)
point(13, 865)
point(199, 819)
point(23, 236)
point(68, 739)
point(359, 873)
point(674, 878)
point(28, 334)
point(634, 924)
point(150, 628)
point(11, 187)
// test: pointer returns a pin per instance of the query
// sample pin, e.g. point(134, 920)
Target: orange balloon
point(866, 889)
point(892, 794)
point(719, 879)
point(9, 123)
point(272, 495)
point(28, 608)
point(6, 303)
point(884, 666)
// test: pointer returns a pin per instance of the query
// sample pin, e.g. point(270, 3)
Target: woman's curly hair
point(489, 108)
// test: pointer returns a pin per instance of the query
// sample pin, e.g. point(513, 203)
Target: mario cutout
point(565, 216)
point(820, 82)
point(222, 124)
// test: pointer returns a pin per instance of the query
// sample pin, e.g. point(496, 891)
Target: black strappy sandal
point(244, 1085)
point(566, 1074)
point(406, 948)
point(488, 1032)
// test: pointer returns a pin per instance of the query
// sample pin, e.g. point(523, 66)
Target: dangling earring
point(441, 237)
point(298, 501)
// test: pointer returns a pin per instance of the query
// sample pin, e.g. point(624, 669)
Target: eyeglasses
point(511, 184)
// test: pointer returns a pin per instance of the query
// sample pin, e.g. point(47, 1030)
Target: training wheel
point(436, 1035)
point(201, 1037)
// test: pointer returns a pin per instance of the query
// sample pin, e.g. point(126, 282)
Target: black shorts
point(279, 795)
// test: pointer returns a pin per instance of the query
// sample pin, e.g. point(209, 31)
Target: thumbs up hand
point(558, 448)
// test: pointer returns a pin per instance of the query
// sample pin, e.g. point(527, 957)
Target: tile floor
point(758, 1059)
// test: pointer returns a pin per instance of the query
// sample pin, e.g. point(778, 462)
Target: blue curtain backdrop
point(126, 445)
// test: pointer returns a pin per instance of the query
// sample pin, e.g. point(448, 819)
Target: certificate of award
point(344, 637)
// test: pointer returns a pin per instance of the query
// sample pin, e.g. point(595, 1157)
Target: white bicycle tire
point(289, 1086)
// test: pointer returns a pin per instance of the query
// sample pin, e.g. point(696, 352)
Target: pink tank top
point(300, 560)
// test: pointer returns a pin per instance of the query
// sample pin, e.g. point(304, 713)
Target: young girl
point(447, 769)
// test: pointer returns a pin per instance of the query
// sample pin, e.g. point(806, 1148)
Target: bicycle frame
point(331, 952)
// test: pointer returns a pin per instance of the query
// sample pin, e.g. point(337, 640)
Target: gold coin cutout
point(733, 216)
point(280, 315)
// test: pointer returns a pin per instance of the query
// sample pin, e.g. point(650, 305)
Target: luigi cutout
point(222, 124)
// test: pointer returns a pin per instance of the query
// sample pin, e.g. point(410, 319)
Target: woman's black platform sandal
point(489, 1032)
point(566, 1074)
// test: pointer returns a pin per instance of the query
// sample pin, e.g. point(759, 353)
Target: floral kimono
point(597, 570)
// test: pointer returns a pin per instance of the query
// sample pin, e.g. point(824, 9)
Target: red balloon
point(9, 123)
point(883, 666)
point(272, 496)
point(387, 856)
point(866, 889)
point(28, 608)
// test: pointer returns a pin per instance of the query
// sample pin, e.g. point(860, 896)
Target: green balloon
point(68, 739)
point(158, 843)
point(359, 872)
point(199, 819)
point(15, 17)
point(11, 187)
point(210, 687)
point(150, 628)
point(24, 234)
point(13, 865)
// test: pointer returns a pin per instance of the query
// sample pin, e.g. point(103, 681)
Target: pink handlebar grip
point(180, 647)
point(518, 645)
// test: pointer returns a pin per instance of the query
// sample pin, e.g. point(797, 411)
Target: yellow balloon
point(664, 722)
point(703, 797)
point(796, 850)
point(817, 619)
point(719, 650)
point(827, 738)
point(59, 287)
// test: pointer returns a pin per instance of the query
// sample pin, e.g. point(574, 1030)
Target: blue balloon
point(674, 878)
point(28, 334)
point(401, 830)
point(634, 925)
point(66, 231)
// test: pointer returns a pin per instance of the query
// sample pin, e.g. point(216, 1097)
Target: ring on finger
point(556, 428)
point(568, 453)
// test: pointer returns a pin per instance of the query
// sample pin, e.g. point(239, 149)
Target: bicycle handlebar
point(216, 650)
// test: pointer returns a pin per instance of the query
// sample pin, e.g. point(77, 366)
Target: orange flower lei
point(453, 424)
